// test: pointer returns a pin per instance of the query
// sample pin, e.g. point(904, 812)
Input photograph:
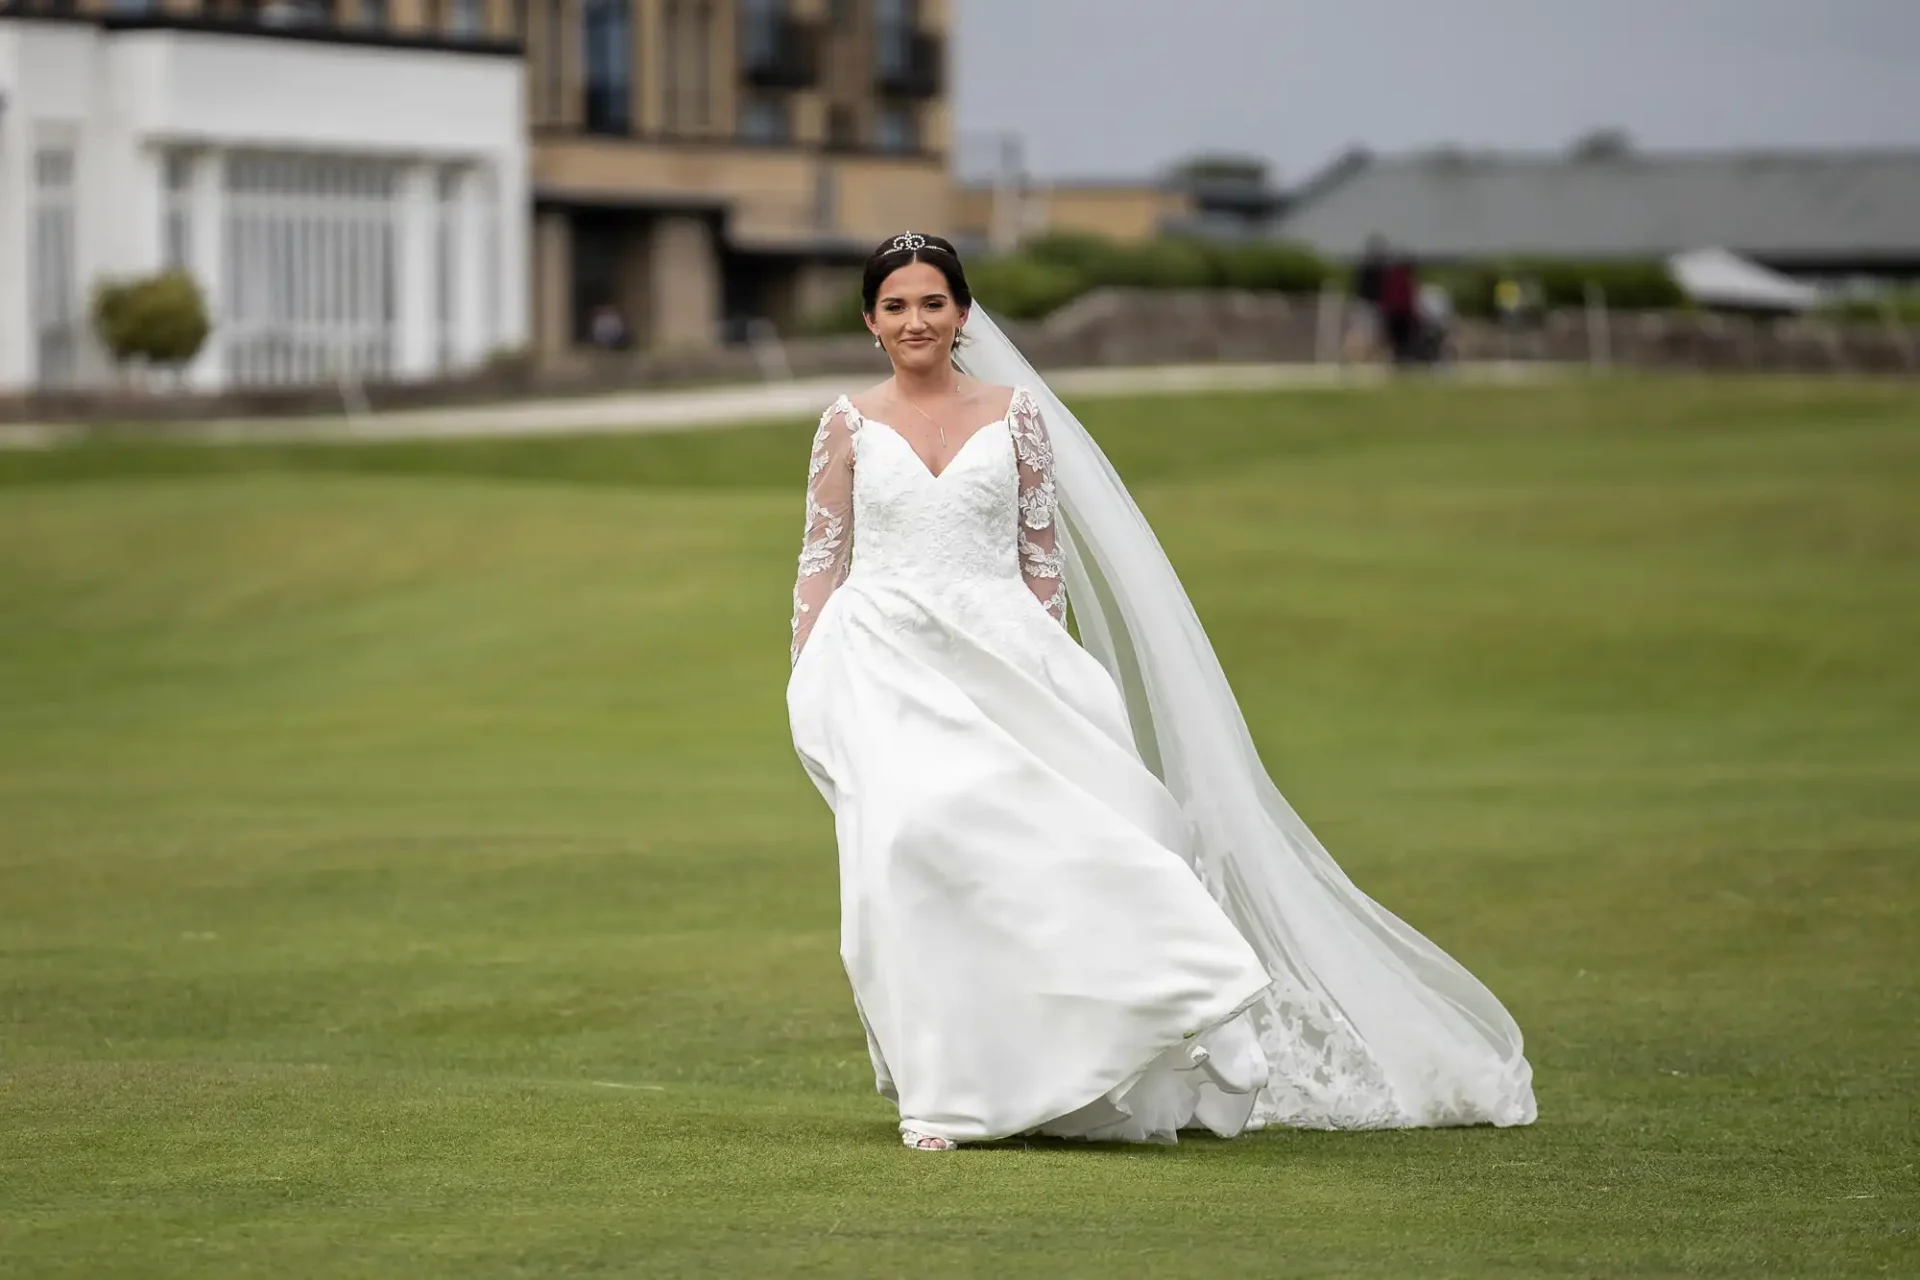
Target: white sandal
point(926, 1141)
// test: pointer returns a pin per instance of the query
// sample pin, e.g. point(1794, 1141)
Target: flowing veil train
point(1368, 1024)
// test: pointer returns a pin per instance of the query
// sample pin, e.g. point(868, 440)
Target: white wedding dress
point(1034, 936)
point(1027, 947)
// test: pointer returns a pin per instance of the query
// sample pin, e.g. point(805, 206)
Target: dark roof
point(1801, 207)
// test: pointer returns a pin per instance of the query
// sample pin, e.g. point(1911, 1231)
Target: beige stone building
point(700, 164)
point(1127, 210)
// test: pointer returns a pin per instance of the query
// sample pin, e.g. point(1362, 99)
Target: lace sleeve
point(826, 549)
point(1040, 561)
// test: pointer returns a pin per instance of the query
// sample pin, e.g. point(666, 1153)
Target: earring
point(876, 342)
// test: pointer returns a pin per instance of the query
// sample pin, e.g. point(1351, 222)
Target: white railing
point(55, 290)
point(311, 277)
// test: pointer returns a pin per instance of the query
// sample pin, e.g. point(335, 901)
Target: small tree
point(160, 319)
point(1222, 167)
point(1602, 144)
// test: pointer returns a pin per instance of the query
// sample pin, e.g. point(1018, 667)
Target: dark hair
point(934, 251)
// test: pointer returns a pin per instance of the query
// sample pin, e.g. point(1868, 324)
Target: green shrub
point(161, 319)
point(1470, 286)
point(1090, 255)
point(1184, 263)
point(1159, 264)
point(1054, 269)
point(1271, 266)
point(1627, 286)
point(1222, 167)
point(1020, 287)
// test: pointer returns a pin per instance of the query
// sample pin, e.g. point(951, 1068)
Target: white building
point(350, 203)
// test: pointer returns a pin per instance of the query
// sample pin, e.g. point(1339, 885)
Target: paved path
point(648, 411)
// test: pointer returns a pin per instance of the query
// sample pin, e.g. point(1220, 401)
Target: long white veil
point(1368, 1024)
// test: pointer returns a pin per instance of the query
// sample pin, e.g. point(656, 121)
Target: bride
point(1072, 902)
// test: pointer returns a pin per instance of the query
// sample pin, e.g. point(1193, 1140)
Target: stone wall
point(1120, 328)
point(1701, 340)
point(1109, 328)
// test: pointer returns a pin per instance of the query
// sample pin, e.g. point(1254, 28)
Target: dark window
point(765, 119)
point(760, 30)
point(896, 129)
point(268, 13)
point(606, 32)
point(466, 17)
point(894, 25)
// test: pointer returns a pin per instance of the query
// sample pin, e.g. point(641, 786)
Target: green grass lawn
point(404, 869)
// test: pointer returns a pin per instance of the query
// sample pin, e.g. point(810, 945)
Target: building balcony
point(780, 53)
point(910, 64)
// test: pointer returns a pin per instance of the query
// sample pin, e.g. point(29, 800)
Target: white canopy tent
point(1717, 278)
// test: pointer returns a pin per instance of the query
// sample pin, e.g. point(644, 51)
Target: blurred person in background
point(1400, 307)
point(1369, 278)
point(607, 329)
point(1045, 933)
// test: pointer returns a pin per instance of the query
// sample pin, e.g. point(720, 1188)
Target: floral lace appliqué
point(826, 546)
point(1041, 562)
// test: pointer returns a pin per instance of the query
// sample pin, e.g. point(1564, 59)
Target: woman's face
point(915, 317)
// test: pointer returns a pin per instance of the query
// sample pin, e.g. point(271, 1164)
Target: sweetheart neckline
point(935, 476)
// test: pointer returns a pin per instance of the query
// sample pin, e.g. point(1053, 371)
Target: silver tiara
point(911, 240)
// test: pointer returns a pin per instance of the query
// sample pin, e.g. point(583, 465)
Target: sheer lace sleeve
point(826, 549)
point(1040, 560)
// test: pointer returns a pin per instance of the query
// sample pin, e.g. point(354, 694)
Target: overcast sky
point(1115, 88)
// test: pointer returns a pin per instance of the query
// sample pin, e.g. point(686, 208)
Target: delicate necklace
point(929, 417)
